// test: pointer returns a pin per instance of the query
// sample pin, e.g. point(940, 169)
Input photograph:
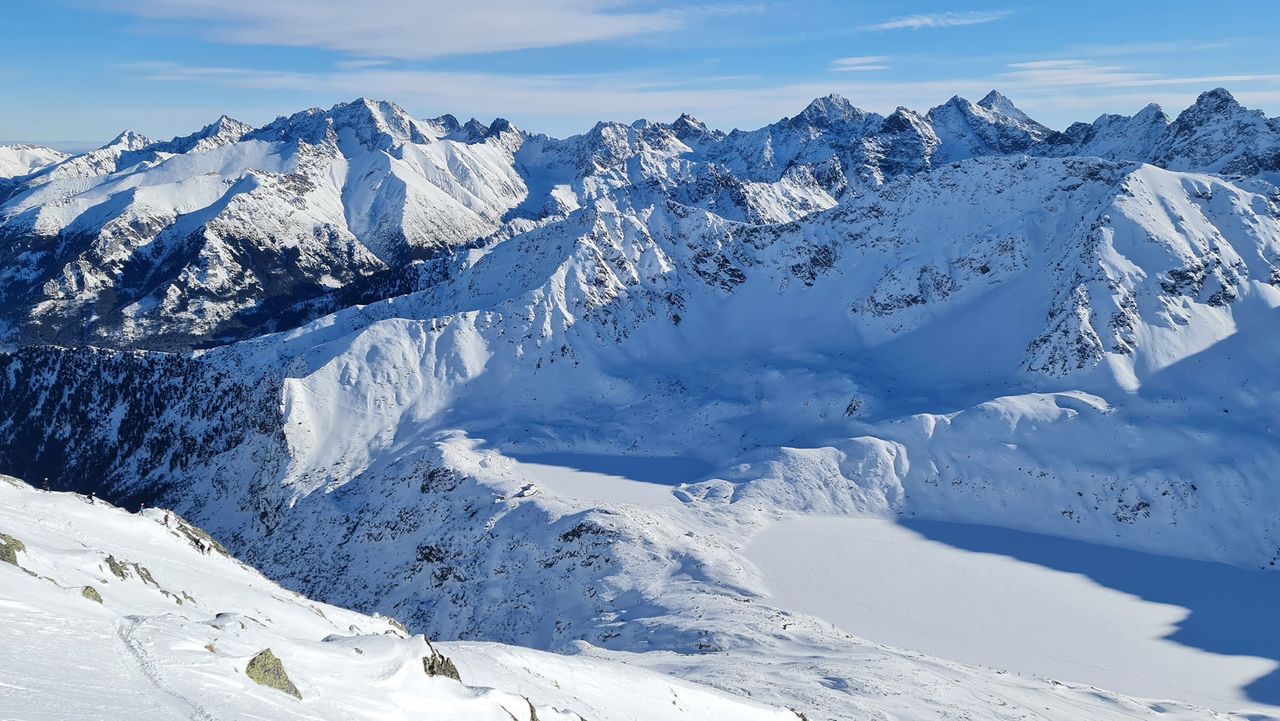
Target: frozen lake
point(1140, 624)
point(591, 478)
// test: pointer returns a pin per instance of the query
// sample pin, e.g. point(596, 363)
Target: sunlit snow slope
point(106, 614)
point(17, 160)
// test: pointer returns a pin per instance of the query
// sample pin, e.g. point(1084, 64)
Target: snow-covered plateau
point(918, 416)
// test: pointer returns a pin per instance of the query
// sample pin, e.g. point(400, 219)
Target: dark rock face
point(119, 423)
point(437, 664)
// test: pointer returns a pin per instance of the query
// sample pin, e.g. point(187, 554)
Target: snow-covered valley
point(663, 398)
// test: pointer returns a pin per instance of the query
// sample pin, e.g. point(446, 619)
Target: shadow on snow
point(1230, 610)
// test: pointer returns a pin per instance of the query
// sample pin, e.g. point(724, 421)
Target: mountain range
point(345, 342)
point(207, 238)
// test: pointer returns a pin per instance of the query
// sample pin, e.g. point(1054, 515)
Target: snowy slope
point(16, 160)
point(161, 624)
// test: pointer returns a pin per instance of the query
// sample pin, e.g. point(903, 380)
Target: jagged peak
point(903, 119)
point(447, 122)
point(994, 109)
point(128, 140)
point(373, 123)
point(603, 126)
point(475, 131)
point(688, 127)
point(384, 113)
point(955, 106)
point(1216, 99)
point(225, 129)
point(961, 107)
point(994, 99)
point(1209, 105)
point(827, 110)
point(1152, 111)
point(500, 125)
point(1151, 114)
point(226, 123)
point(956, 101)
point(996, 102)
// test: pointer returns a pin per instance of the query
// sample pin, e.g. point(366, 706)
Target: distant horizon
point(81, 146)
point(86, 71)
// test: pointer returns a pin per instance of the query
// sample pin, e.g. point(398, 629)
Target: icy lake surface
point(633, 480)
point(1145, 625)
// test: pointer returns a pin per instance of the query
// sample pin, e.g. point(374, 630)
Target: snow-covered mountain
point(993, 126)
point(24, 159)
point(1219, 135)
point(1114, 137)
point(203, 239)
point(185, 241)
point(958, 316)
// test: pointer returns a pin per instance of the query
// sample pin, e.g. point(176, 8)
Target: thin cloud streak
point(1065, 72)
point(1070, 90)
point(862, 63)
point(360, 63)
point(1151, 48)
point(413, 29)
point(940, 20)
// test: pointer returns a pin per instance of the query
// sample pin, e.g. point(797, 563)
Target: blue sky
point(82, 70)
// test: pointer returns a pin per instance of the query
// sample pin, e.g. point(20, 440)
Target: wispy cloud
point(413, 29)
point(360, 63)
point(1152, 48)
point(861, 63)
point(1056, 73)
point(1063, 90)
point(1067, 72)
point(940, 20)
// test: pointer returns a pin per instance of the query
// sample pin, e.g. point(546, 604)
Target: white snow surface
point(178, 621)
point(983, 604)
point(16, 160)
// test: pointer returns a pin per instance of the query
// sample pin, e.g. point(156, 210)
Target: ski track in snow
point(135, 653)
